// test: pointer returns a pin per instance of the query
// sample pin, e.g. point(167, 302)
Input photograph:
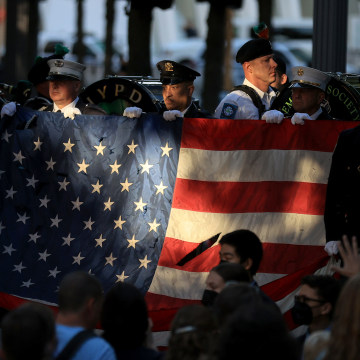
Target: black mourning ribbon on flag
point(203, 246)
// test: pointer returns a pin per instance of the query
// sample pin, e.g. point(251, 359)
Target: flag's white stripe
point(262, 165)
point(178, 283)
point(265, 278)
point(161, 338)
point(190, 285)
point(282, 228)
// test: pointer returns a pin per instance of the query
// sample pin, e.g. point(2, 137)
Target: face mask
point(301, 313)
point(209, 297)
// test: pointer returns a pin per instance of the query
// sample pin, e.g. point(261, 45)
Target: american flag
point(129, 200)
point(89, 194)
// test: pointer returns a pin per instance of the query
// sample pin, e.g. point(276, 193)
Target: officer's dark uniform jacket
point(342, 208)
point(192, 112)
point(86, 109)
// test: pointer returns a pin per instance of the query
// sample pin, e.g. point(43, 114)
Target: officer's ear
point(191, 89)
point(321, 97)
point(247, 66)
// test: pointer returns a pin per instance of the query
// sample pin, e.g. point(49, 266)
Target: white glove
point(71, 112)
point(171, 115)
point(331, 248)
point(298, 118)
point(273, 117)
point(8, 109)
point(132, 112)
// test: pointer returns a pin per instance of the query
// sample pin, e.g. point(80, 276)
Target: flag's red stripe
point(287, 259)
point(214, 134)
point(280, 288)
point(10, 302)
point(250, 197)
point(277, 259)
point(163, 308)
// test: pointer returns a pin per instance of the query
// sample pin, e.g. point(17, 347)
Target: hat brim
point(62, 77)
point(305, 85)
point(173, 80)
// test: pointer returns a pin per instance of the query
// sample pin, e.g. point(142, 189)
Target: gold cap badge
point(300, 72)
point(169, 66)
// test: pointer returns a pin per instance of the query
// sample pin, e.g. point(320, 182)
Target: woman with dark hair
point(126, 324)
point(257, 331)
point(193, 334)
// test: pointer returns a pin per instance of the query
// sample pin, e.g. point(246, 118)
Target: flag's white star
point(99, 241)
point(54, 272)
point(67, 240)
point(144, 262)
point(100, 148)
point(122, 277)
point(68, 146)
point(63, 184)
point(115, 167)
point(8, 249)
point(146, 167)
point(76, 204)
point(125, 185)
point(140, 205)
point(32, 181)
point(43, 255)
point(88, 224)
point(10, 193)
point(44, 201)
point(33, 237)
point(160, 188)
point(108, 205)
point(132, 242)
point(132, 147)
point(5, 136)
point(50, 164)
point(27, 283)
point(77, 259)
point(83, 166)
point(19, 157)
point(55, 221)
point(166, 150)
point(38, 144)
point(110, 260)
point(119, 223)
point(22, 218)
point(2, 227)
point(19, 267)
point(154, 225)
point(96, 187)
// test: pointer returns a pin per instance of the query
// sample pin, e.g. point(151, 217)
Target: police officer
point(177, 90)
point(65, 79)
point(308, 87)
point(254, 97)
point(37, 76)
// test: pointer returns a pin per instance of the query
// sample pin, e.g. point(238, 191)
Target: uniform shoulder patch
point(228, 111)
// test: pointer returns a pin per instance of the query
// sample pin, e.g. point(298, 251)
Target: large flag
point(89, 194)
point(145, 201)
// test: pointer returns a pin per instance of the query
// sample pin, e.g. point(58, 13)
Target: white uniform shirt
point(69, 106)
point(238, 105)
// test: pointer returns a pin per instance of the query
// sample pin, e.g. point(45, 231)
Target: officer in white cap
point(308, 87)
point(253, 99)
point(65, 79)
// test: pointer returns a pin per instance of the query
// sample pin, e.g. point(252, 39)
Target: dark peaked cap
point(173, 73)
point(253, 49)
